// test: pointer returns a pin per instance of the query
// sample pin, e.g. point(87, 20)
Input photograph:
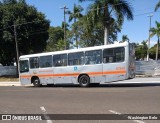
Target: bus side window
point(60, 60)
point(112, 55)
point(108, 55)
point(34, 62)
point(93, 57)
point(119, 54)
point(76, 58)
point(45, 61)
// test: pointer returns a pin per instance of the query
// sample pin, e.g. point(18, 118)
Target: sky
point(136, 30)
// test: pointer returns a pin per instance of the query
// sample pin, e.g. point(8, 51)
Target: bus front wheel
point(36, 82)
point(84, 81)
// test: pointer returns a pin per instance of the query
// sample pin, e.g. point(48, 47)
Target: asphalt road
point(106, 99)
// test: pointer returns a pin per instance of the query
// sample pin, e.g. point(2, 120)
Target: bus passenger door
point(46, 76)
point(93, 65)
point(61, 73)
point(45, 71)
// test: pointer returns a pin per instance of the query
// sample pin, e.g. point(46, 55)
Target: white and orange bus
point(85, 66)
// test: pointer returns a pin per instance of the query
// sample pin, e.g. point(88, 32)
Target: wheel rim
point(84, 80)
point(36, 82)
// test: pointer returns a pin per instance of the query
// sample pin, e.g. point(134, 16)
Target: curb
point(137, 80)
point(13, 84)
point(10, 84)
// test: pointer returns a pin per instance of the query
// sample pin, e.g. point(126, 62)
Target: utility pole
point(17, 50)
point(150, 19)
point(64, 25)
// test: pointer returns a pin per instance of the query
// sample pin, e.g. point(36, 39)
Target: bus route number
point(120, 68)
point(75, 68)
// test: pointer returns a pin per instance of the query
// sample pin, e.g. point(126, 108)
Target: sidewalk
point(13, 84)
point(10, 84)
point(146, 80)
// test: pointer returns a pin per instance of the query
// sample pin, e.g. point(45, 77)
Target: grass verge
point(8, 79)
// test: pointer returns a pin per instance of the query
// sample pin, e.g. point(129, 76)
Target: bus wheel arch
point(35, 81)
point(84, 80)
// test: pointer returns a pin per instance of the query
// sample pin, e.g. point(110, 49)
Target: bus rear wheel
point(36, 82)
point(84, 81)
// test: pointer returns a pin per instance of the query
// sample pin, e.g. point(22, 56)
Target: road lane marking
point(118, 113)
point(114, 112)
point(45, 114)
point(43, 109)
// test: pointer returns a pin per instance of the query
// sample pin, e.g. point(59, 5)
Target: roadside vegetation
point(9, 79)
point(96, 27)
point(34, 35)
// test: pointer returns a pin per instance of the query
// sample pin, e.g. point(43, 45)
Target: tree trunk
point(17, 68)
point(75, 32)
point(106, 35)
point(106, 25)
point(157, 49)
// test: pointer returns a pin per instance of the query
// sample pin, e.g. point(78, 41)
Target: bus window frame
point(83, 62)
point(28, 67)
point(34, 63)
point(114, 55)
point(101, 62)
point(60, 61)
point(45, 63)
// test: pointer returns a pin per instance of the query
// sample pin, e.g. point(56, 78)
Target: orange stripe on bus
point(76, 74)
point(66, 74)
point(115, 72)
point(25, 76)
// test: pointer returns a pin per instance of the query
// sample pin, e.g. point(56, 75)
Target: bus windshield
point(24, 67)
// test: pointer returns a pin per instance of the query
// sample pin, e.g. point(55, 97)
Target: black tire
point(95, 84)
point(50, 85)
point(84, 81)
point(36, 82)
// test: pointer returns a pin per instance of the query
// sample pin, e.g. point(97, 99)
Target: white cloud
point(152, 43)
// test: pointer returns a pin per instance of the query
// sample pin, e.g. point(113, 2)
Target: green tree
point(152, 52)
point(76, 14)
point(91, 34)
point(156, 31)
point(102, 9)
point(56, 39)
point(141, 51)
point(125, 38)
point(157, 6)
point(31, 27)
point(68, 42)
point(88, 35)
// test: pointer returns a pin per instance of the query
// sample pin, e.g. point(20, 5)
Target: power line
point(135, 10)
point(22, 24)
point(146, 13)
